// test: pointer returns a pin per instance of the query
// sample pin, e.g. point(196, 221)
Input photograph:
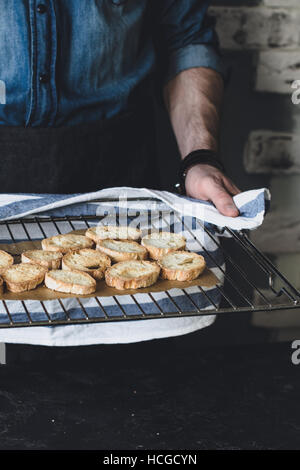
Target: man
point(79, 78)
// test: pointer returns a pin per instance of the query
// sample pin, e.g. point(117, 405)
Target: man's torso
point(64, 63)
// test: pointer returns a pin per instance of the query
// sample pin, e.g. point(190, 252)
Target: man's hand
point(210, 184)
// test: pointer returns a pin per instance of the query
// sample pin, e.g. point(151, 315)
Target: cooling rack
point(248, 280)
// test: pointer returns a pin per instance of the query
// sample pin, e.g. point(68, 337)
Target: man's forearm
point(193, 99)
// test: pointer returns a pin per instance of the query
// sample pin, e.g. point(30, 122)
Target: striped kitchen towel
point(198, 221)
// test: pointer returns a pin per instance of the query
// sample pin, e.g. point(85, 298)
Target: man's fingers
point(231, 187)
point(208, 183)
point(222, 200)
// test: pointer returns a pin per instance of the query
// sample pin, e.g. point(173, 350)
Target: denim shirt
point(67, 62)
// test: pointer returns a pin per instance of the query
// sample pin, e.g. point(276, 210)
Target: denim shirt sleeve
point(185, 37)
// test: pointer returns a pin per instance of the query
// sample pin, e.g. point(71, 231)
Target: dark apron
point(116, 152)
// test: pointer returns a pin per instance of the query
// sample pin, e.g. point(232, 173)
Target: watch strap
point(201, 156)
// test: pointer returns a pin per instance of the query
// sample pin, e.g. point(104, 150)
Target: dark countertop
point(166, 394)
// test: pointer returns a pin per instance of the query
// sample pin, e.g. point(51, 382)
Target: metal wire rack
point(252, 283)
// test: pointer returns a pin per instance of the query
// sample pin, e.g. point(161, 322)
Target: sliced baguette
point(6, 260)
point(159, 244)
point(70, 282)
point(23, 277)
point(181, 266)
point(66, 243)
point(121, 232)
point(90, 261)
point(122, 250)
point(48, 259)
point(132, 274)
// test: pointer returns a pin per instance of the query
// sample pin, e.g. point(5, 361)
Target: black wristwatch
point(204, 156)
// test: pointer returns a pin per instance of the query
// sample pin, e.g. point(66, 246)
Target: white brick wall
point(257, 27)
point(281, 3)
point(271, 31)
point(280, 232)
point(268, 152)
point(277, 70)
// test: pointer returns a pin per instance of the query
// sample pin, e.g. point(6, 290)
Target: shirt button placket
point(44, 64)
point(41, 8)
point(44, 78)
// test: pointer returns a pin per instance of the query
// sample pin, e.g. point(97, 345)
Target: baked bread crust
point(122, 250)
point(6, 260)
point(1, 286)
point(159, 244)
point(23, 277)
point(132, 274)
point(66, 243)
point(48, 259)
point(70, 282)
point(90, 261)
point(181, 266)
point(120, 232)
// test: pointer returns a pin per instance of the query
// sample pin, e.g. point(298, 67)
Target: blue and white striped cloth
point(133, 206)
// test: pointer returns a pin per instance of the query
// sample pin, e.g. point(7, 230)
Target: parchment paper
point(206, 279)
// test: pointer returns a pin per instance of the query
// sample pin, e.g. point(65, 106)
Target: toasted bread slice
point(71, 282)
point(23, 277)
point(121, 232)
point(132, 274)
point(181, 266)
point(6, 260)
point(48, 259)
point(1, 286)
point(122, 250)
point(90, 261)
point(159, 244)
point(66, 243)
